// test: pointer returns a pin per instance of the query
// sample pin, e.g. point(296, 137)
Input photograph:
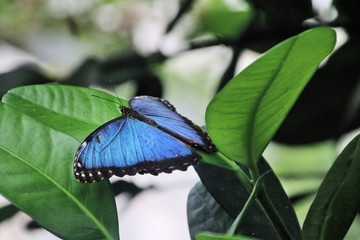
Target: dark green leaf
point(149, 85)
point(124, 67)
point(244, 116)
point(286, 12)
point(87, 73)
point(349, 10)
point(7, 212)
point(37, 149)
point(204, 213)
point(73, 111)
point(338, 198)
point(231, 195)
point(22, 76)
point(122, 186)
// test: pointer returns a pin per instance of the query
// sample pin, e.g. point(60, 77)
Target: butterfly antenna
point(107, 99)
point(112, 86)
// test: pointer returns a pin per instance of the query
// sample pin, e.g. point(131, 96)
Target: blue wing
point(165, 115)
point(126, 146)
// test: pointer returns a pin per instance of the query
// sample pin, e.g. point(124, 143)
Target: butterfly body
point(149, 137)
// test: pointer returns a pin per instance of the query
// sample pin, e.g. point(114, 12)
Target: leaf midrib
point(332, 199)
point(51, 111)
point(253, 114)
point(67, 193)
point(48, 109)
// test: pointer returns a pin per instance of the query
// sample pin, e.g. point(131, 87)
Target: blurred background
point(184, 51)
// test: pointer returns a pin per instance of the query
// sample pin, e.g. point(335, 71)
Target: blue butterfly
point(149, 137)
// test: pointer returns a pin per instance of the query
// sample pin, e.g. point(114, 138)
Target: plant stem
point(254, 172)
point(262, 197)
point(244, 179)
point(251, 199)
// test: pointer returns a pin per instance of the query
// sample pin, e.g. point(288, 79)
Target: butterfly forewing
point(165, 115)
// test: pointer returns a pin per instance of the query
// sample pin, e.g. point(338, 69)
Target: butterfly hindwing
point(165, 115)
point(126, 146)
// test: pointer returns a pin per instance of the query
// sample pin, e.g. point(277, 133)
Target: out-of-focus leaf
point(244, 116)
point(33, 226)
point(349, 10)
point(22, 76)
point(149, 85)
point(231, 196)
point(132, 67)
point(7, 212)
point(185, 5)
point(125, 187)
point(301, 161)
point(87, 73)
point(37, 148)
point(124, 67)
point(227, 19)
point(230, 70)
point(338, 198)
point(286, 12)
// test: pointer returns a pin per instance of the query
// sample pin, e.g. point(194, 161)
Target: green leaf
point(217, 160)
point(204, 212)
point(71, 110)
point(213, 236)
point(230, 195)
point(338, 199)
point(22, 76)
point(245, 114)
point(227, 19)
point(37, 148)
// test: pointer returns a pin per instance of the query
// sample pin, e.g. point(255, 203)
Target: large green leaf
point(41, 128)
point(338, 199)
point(71, 110)
point(244, 116)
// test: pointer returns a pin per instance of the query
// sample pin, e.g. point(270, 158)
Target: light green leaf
point(71, 110)
point(244, 116)
point(227, 19)
point(41, 128)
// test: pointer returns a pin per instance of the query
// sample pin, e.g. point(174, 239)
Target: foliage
point(269, 100)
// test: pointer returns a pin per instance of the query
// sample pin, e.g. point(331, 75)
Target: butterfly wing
point(165, 115)
point(126, 146)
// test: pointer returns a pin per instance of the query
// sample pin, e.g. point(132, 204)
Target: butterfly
point(149, 137)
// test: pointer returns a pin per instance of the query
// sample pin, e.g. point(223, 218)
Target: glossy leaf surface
point(41, 129)
point(244, 116)
point(338, 199)
point(225, 196)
